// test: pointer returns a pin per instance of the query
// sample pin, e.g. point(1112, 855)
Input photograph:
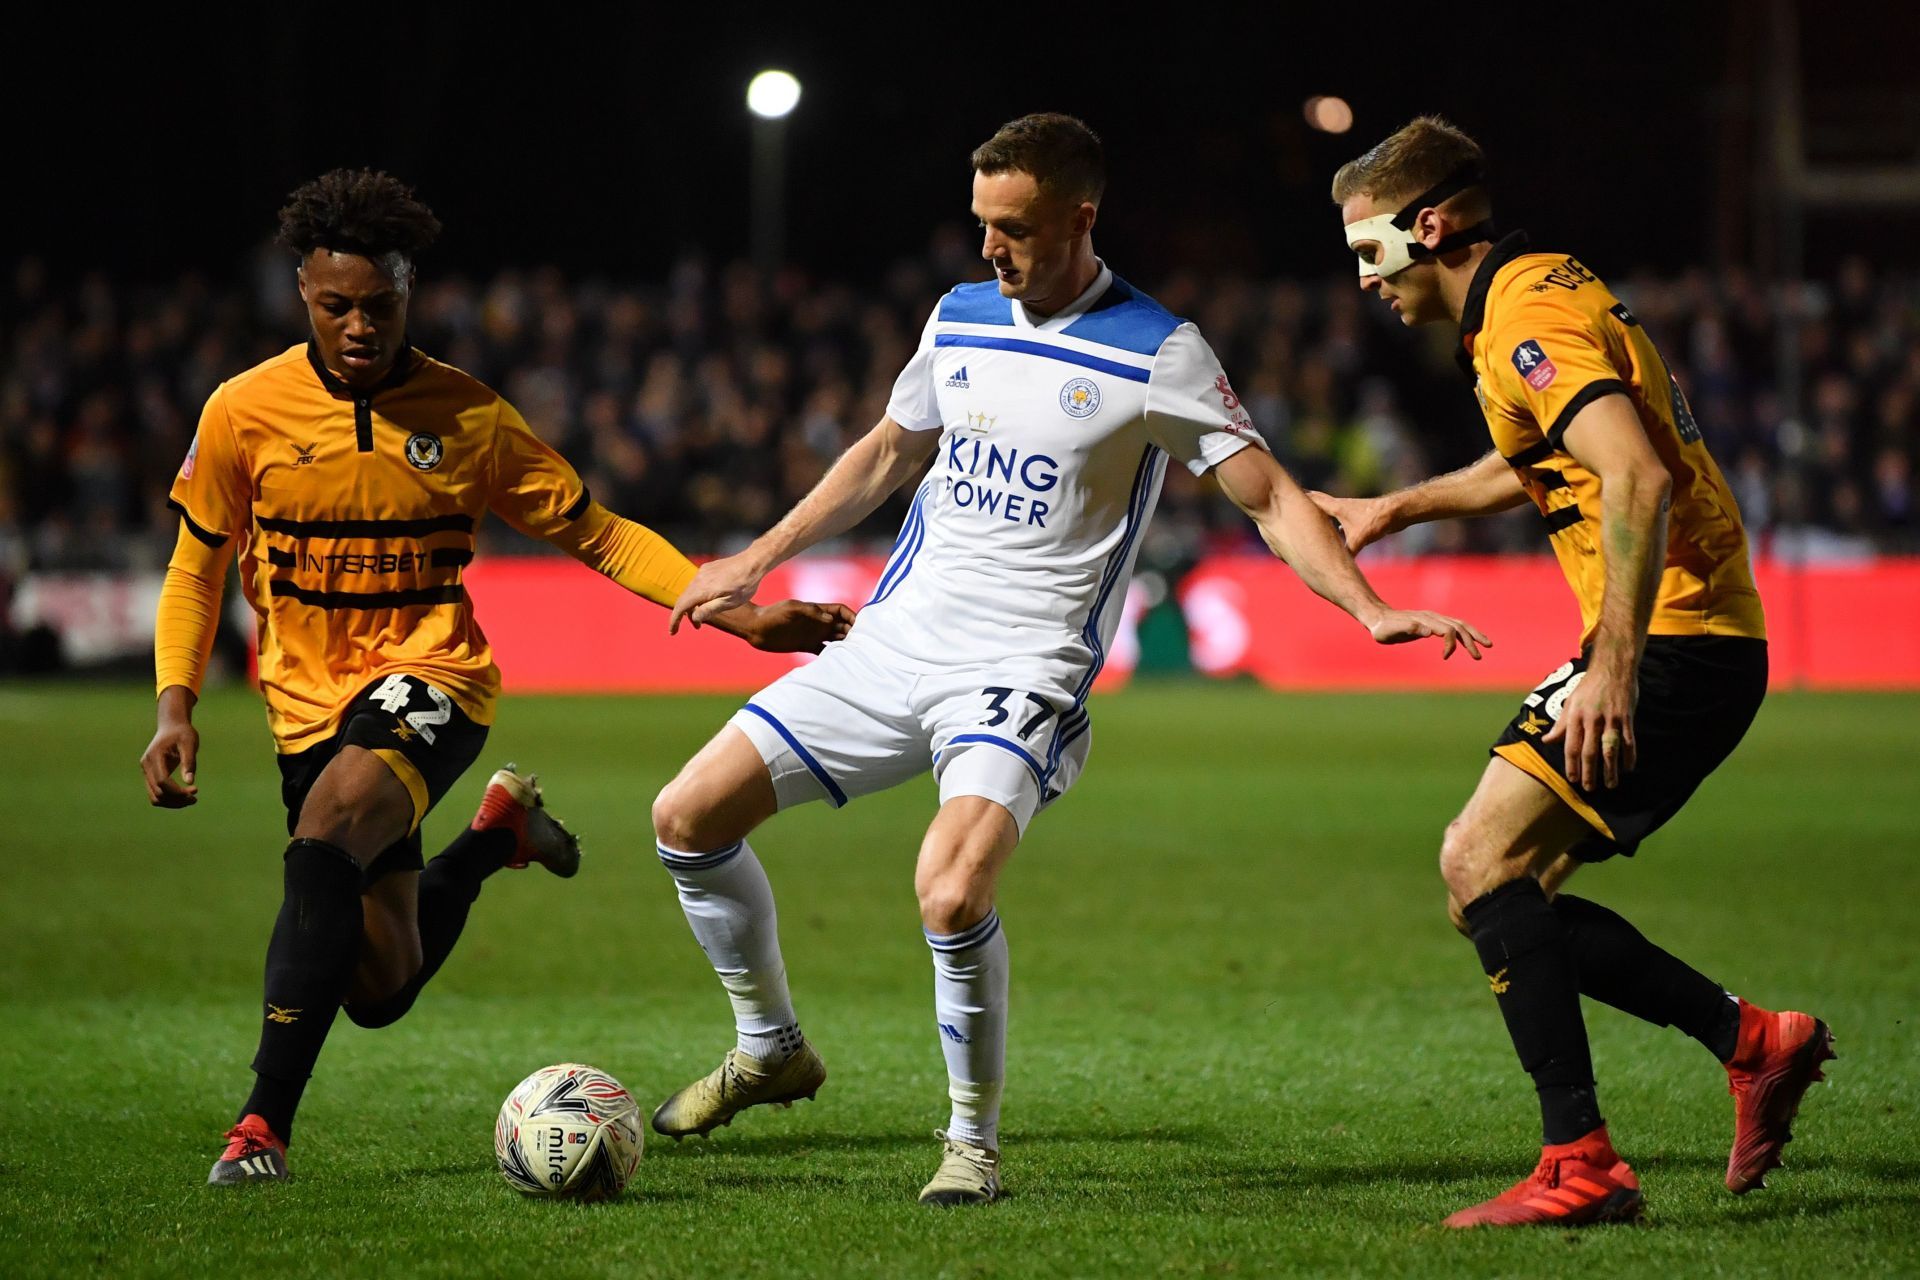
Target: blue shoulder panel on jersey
point(1125, 318)
point(976, 304)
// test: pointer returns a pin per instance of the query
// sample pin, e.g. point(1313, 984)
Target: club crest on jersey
point(424, 451)
point(1534, 366)
point(1080, 398)
point(959, 379)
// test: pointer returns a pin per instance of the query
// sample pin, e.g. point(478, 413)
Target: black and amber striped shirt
point(1544, 338)
point(354, 516)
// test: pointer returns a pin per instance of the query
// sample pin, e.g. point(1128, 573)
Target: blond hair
point(1420, 154)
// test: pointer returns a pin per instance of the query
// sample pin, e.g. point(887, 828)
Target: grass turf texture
point(1244, 1040)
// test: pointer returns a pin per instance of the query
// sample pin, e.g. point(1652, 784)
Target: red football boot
point(513, 803)
point(1777, 1058)
point(254, 1154)
point(1575, 1184)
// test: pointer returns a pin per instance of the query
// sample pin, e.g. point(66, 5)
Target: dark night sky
point(611, 139)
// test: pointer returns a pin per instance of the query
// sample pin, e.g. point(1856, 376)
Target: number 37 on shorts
point(1035, 716)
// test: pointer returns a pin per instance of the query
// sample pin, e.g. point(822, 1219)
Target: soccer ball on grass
point(568, 1130)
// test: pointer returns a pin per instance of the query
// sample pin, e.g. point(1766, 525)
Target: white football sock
point(729, 906)
point(970, 1006)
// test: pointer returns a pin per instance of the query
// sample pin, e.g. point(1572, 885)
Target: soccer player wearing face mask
point(1670, 668)
point(349, 474)
point(1049, 402)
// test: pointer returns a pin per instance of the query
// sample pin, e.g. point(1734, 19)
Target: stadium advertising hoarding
point(1243, 614)
point(558, 628)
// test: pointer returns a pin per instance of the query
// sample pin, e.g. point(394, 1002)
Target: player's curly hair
point(357, 211)
point(1060, 151)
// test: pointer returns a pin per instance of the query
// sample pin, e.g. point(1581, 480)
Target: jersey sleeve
point(1547, 358)
point(534, 489)
point(188, 614)
point(914, 403)
point(213, 492)
point(631, 554)
point(1192, 411)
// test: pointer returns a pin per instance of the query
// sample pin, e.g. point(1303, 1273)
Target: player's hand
point(176, 744)
point(798, 626)
point(1597, 725)
point(1399, 626)
point(719, 585)
point(1361, 520)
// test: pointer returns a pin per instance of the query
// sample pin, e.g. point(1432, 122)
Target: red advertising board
point(558, 627)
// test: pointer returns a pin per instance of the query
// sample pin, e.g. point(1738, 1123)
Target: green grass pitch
point(1244, 1042)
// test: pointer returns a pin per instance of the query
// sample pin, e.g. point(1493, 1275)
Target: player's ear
point(300, 277)
point(1084, 217)
point(1429, 228)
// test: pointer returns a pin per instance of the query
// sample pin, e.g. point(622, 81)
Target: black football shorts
point(421, 734)
point(1698, 694)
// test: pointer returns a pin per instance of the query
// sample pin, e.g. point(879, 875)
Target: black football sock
point(310, 961)
point(1618, 966)
point(1523, 948)
point(448, 888)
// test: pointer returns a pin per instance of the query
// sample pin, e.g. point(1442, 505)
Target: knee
point(327, 816)
point(952, 899)
point(384, 974)
point(680, 820)
point(383, 1010)
point(364, 823)
point(1462, 866)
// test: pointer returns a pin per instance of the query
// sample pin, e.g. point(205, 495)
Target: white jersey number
point(394, 693)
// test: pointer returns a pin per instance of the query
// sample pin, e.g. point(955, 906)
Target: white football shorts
point(861, 718)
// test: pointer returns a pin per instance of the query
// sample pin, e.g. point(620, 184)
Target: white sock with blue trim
point(729, 906)
point(970, 1005)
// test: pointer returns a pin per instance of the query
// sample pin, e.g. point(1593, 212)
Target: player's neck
point(1086, 269)
point(1456, 279)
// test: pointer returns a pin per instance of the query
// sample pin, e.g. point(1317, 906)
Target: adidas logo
point(959, 379)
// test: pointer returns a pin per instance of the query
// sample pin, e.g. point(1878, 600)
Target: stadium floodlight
point(771, 97)
point(773, 94)
point(1327, 114)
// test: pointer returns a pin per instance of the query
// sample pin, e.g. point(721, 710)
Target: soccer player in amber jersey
point(349, 474)
point(1671, 667)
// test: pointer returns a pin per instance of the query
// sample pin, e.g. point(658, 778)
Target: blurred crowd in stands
point(706, 402)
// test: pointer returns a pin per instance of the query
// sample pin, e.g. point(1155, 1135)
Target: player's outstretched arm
point(184, 627)
point(1635, 488)
point(1484, 488)
point(1299, 534)
point(648, 565)
point(850, 491)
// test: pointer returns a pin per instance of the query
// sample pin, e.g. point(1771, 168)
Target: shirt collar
point(1474, 313)
point(402, 366)
point(1023, 319)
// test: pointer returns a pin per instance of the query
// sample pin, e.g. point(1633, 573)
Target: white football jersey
point(1055, 436)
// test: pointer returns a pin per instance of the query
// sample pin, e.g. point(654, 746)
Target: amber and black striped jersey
point(354, 516)
point(1544, 338)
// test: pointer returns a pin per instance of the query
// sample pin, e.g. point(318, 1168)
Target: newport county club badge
point(1533, 365)
point(424, 451)
point(1080, 398)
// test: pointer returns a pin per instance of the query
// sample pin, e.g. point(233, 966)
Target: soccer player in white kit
point(1049, 402)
